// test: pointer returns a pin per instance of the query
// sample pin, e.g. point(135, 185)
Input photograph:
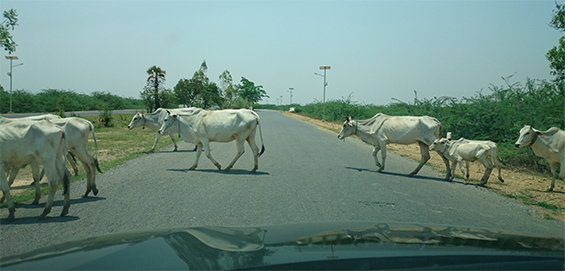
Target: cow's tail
point(95, 147)
point(261, 136)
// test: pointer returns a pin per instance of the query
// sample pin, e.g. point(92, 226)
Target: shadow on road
point(36, 220)
point(56, 203)
point(398, 174)
point(171, 151)
point(230, 172)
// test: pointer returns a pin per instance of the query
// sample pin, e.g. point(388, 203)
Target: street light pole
point(290, 90)
point(324, 97)
point(10, 74)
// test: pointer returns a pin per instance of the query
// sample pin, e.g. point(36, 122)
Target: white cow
point(154, 121)
point(549, 145)
point(382, 129)
point(205, 126)
point(78, 131)
point(468, 150)
point(34, 142)
point(493, 154)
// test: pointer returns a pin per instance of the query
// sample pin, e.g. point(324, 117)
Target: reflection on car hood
point(275, 247)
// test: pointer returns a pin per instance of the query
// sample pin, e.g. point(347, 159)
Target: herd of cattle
point(49, 140)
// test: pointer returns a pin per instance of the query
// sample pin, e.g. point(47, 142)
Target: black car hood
point(354, 245)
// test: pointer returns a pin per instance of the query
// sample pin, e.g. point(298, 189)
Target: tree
point(556, 55)
point(249, 92)
point(6, 39)
point(182, 91)
point(199, 91)
point(155, 82)
point(227, 87)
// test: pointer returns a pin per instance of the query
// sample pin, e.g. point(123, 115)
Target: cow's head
point(528, 136)
point(349, 128)
point(440, 145)
point(168, 122)
point(136, 121)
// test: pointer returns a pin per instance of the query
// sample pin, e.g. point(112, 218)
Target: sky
point(378, 51)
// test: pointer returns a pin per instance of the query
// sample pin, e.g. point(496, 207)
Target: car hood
point(285, 246)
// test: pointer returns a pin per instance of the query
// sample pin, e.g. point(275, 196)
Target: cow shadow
point(172, 151)
point(399, 174)
point(58, 203)
point(223, 172)
point(54, 218)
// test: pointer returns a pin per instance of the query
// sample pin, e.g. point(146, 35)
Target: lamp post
point(290, 90)
point(11, 58)
point(324, 97)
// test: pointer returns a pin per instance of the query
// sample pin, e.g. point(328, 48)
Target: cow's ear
point(348, 118)
point(168, 111)
point(539, 132)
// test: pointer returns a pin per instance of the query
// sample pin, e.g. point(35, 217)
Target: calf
point(457, 152)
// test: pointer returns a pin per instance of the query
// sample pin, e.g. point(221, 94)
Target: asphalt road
point(305, 175)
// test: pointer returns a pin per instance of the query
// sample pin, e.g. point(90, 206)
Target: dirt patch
point(519, 184)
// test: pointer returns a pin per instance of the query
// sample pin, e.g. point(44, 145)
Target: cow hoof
point(254, 170)
point(35, 202)
point(226, 169)
point(65, 211)
point(192, 168)
point(175, 149)
point(549, 190)
point(95, 191)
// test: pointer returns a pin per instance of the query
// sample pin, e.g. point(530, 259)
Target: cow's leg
point(240, 151)
point(73, 163)
point(174, 142)
point(425, 152)
point(67, 196)
point(488, 170)
point(6, 190)
point(375, 151)
point(449, 175)
point(89, 170)
point(89, 164)
point(553, 167)
point(452, 169)
point(156, 141)
point(255, 150)
point(467, 173)
point(206, 146)
point(36, 179)
point(460, 162)
point(13, 172)
point(198, 153)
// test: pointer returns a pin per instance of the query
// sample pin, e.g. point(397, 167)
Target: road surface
point(305, 175)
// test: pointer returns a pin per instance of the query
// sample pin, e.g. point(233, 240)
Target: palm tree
point(156, 78)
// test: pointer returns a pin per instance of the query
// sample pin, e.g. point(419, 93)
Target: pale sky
point(377, 50)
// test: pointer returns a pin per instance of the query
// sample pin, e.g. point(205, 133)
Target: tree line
point(200, 91)
point(59, 101)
